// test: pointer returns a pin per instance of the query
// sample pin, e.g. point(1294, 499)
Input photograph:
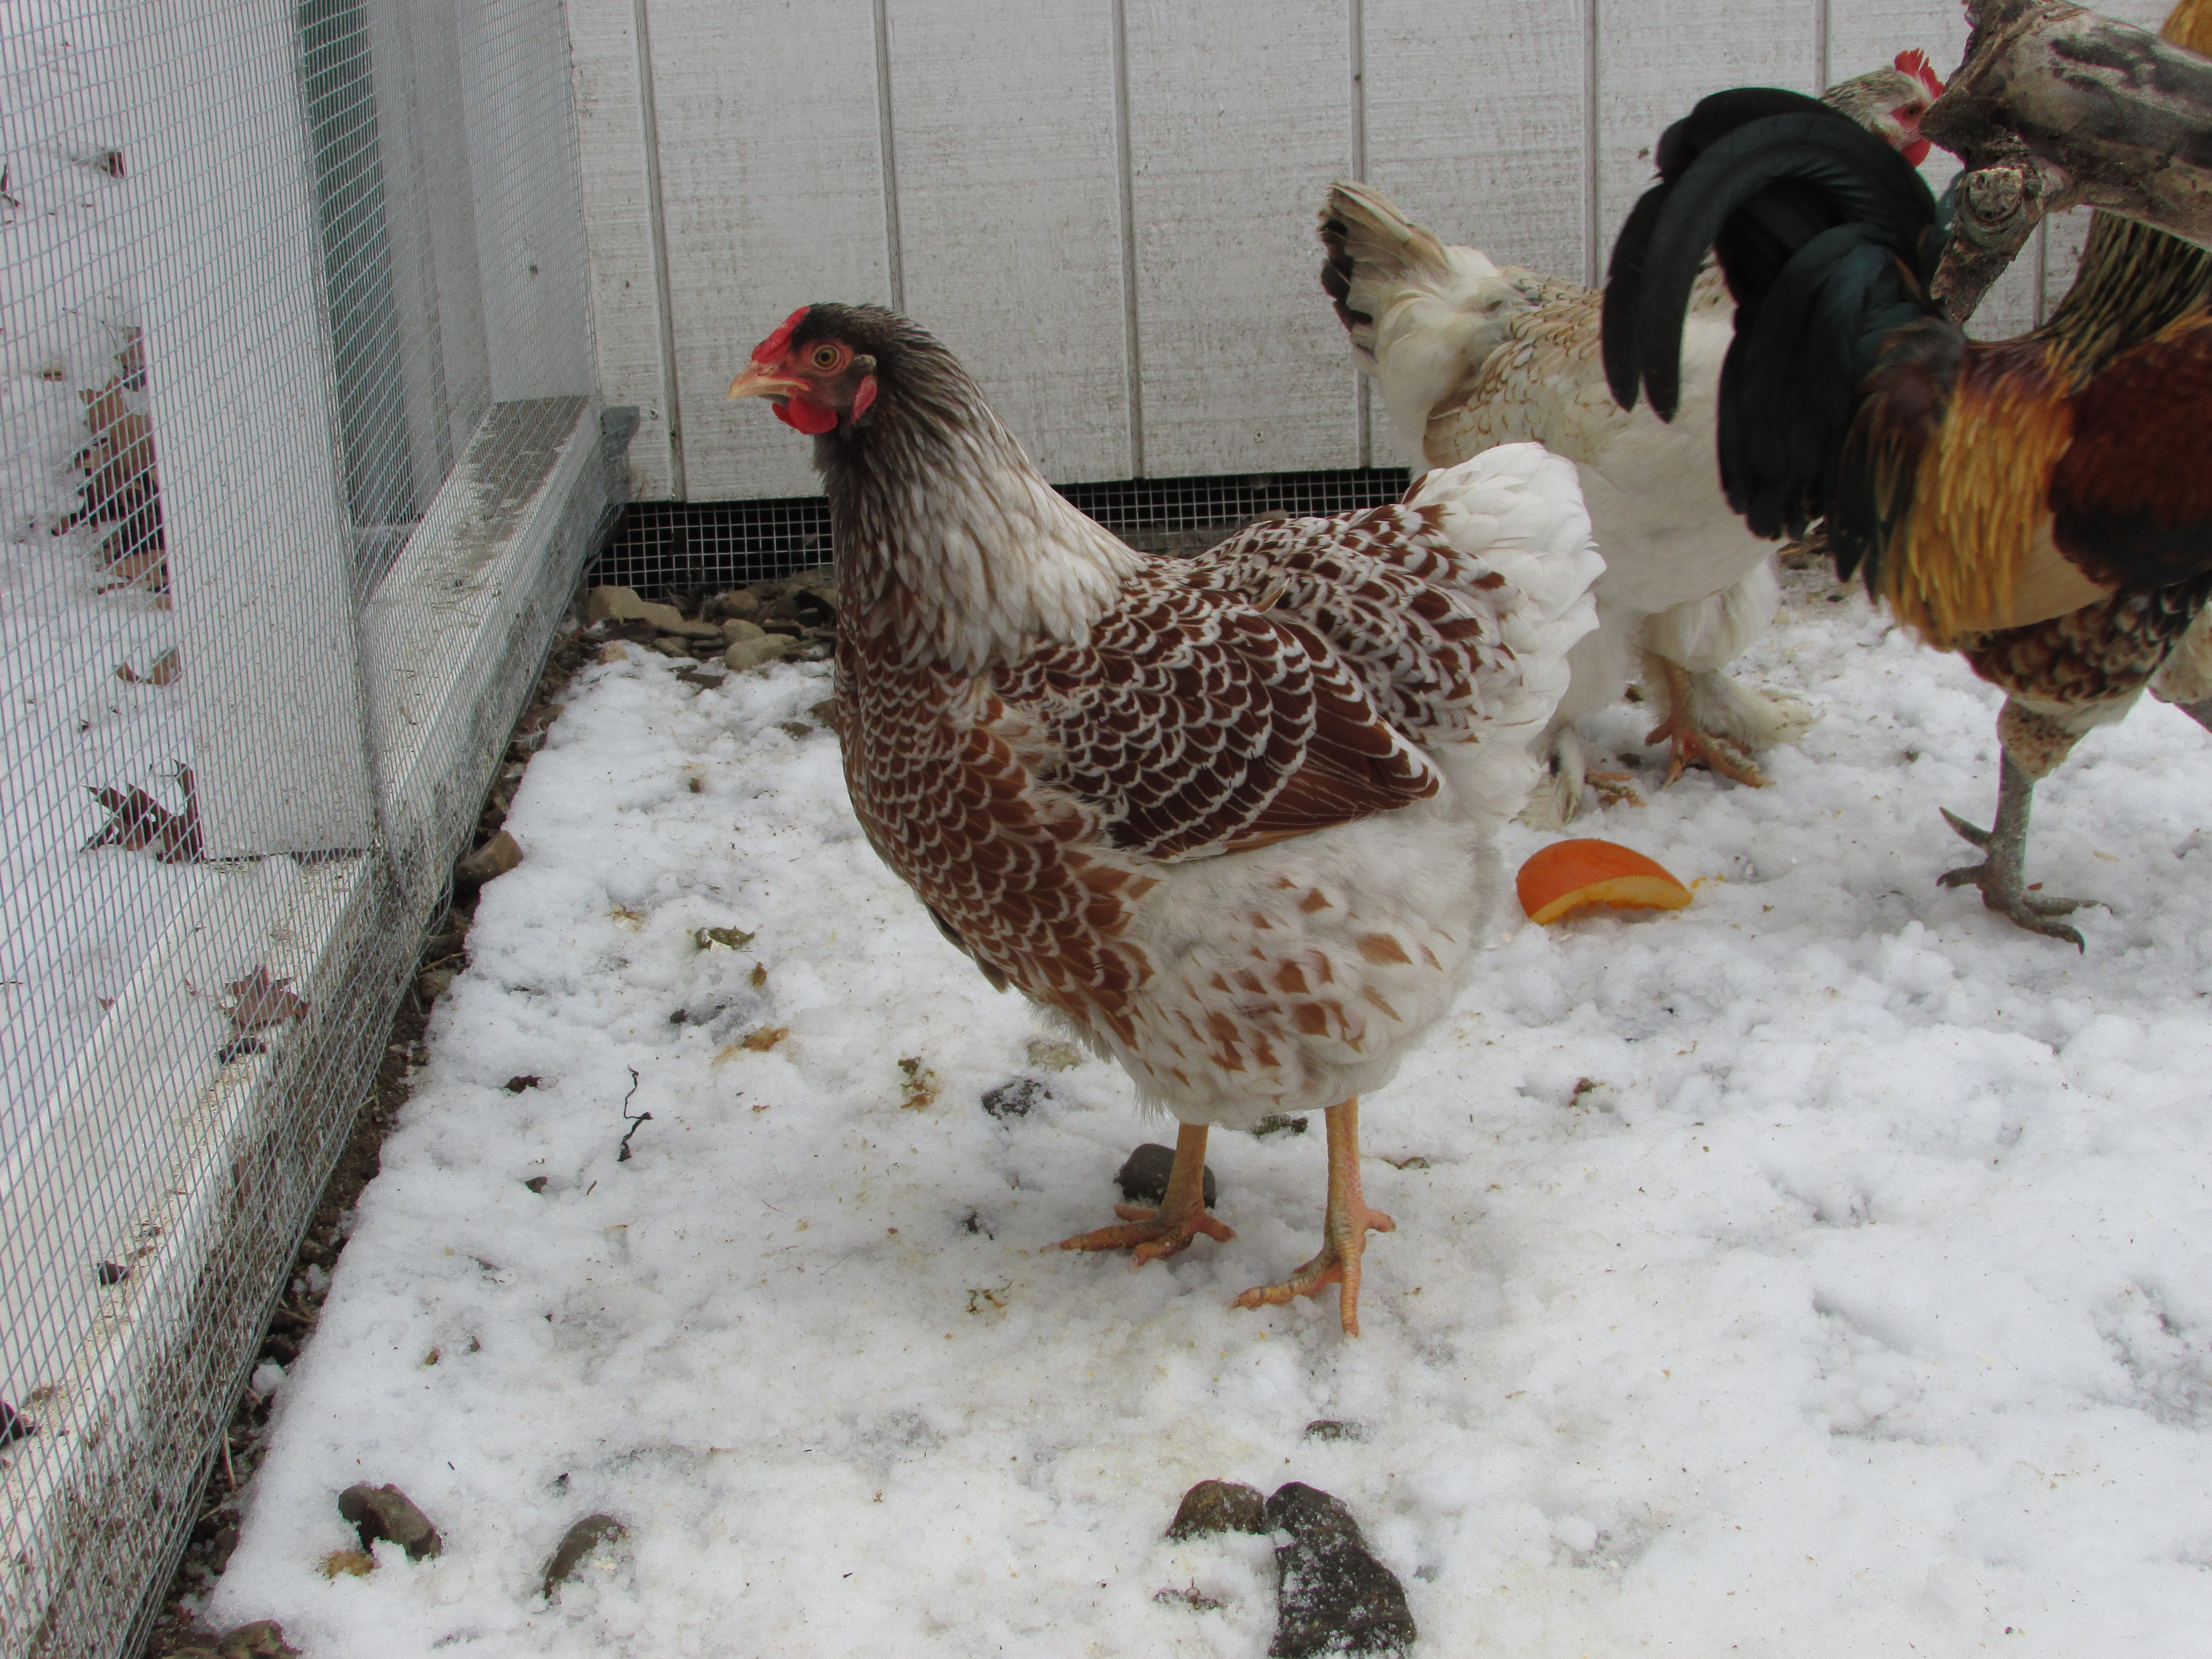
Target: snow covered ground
point(1825, 1269)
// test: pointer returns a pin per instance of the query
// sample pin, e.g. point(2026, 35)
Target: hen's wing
point(1193, 724)
point(1289, 679)
point(1456, 607)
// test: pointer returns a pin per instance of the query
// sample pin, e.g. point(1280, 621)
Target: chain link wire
point(300, 459)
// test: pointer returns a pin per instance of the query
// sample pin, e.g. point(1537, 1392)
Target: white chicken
point(1468, 354)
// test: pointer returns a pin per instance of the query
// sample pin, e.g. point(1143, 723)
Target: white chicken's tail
point(1517, 510)
point(1423, 318)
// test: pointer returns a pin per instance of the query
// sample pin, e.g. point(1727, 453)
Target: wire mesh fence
point(677, 547)
point(299, 457)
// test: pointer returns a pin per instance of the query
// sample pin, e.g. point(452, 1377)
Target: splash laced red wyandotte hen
point(2040, 505)
point(1231, 818)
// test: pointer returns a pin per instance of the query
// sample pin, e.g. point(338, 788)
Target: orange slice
point(1569, 874)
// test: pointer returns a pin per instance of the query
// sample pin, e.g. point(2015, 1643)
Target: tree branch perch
point(2058, 107)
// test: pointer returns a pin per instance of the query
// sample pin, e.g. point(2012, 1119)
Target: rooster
point(2038, 504)
point(1469, 353)
point(1231, 818)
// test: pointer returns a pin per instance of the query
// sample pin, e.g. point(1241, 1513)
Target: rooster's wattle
point(1231, 818)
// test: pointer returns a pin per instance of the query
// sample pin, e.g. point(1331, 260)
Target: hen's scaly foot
point(1689, 742)
point(1343, 1230)
point(1613, 788)
point(1338, 1263)
point(1150, 1234)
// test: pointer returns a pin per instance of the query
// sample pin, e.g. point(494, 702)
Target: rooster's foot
point(1150, 1234)
point(1613, 788)
point(2002, 893)
point(2005, 847)
point(1343, 1230)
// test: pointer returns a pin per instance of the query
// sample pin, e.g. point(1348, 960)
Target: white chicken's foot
point(1689, 741)
point(1344, 1228)
point(1149, 1234)
point(1615, 788)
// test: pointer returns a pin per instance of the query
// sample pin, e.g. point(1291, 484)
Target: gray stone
point(493, 859)
point(738, 629)
point(1331, 1595)
point(578, 1542)
point(387, 1512)
point(1143, 1178)
point(1016, 1097)
point(1212, 1506)
point(751, 653)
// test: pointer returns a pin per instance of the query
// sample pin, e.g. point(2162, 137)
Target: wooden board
point(622, 227)
point(1010, 214)
point(529, 221)
point(772, 193)
point(1240, 114)
point(1487, 151)
point(1656, 61)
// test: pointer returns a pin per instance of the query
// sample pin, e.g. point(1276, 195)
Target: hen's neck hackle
point(952, 548)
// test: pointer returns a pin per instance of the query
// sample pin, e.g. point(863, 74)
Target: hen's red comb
point(1916, 62)
point(773, 348)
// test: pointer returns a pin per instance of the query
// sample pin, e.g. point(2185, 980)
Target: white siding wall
point(1106, 206)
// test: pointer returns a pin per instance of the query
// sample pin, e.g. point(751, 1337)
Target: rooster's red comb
point(1916, 62)
point(772, 349)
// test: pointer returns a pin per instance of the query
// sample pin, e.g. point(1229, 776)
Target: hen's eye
point(827, 357)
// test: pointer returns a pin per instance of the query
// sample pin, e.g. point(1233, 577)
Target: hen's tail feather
point(1423, 318)
point(1369, 243)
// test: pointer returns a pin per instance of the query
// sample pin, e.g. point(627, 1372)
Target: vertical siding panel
point(1474, 125)
point(1657, 59)
point(773, 191)
point(1864, 34)
point(1009, 198)
point(619, 231)
point(1240, 114)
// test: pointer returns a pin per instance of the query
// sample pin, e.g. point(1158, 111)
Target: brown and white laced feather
point(1231, 818)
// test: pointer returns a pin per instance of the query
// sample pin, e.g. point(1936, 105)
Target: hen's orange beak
point(759, 382)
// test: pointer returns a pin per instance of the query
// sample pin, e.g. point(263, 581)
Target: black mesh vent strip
point(675, 547)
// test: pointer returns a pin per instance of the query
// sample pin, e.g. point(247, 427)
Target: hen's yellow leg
point(1148, 1234)
point(1344, 1228)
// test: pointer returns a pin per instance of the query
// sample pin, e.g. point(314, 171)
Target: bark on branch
point(2058, 107)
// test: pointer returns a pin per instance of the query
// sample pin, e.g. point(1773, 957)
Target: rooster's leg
point(1344, 1228)
point(2004, 847)
point(1148, 1233)
point(1692, 742)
